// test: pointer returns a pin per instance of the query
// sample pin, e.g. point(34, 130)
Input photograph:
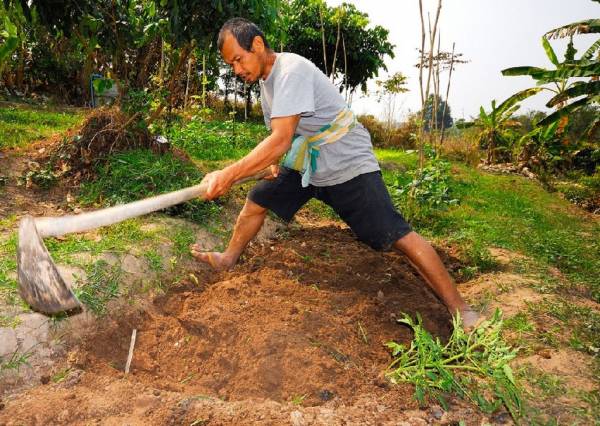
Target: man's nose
point(237, 69)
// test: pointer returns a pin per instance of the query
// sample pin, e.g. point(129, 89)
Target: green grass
point(154, 260)
point(8, 266)
point(298, 399)
point(61, 375)
point(182, 237)
point(116, 238)
point(9, 321)
point(217, 140)
point(101, 285)
point(14, 362)
point(519, 323)
point(581, 324)
point(407, 159)
point(514, 213)
point(21, 124)
point(517, 214)
point(138, 174)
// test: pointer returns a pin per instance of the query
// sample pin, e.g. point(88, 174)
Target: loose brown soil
point(303, 319)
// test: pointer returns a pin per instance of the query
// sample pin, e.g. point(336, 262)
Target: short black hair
point(243, 31)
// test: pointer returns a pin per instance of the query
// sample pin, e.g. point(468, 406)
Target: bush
point(421, 194)
point(462, 147)
point(399, 137)
point(583, 191)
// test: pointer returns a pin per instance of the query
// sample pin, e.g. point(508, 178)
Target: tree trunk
point(20, 72)
point(337, 42)
point(345, 70)
point(447, 94)
point(425, 94)
point(183, 55)
point(248, 108)
point(187, 81)
point(323, 39)
point(161, 70)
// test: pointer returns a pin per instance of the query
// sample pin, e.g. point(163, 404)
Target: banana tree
point(569, 95)
point(495, 127)
point(539, 148)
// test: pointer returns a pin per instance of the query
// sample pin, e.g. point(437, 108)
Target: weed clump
point(472, 365)
point(104, 132)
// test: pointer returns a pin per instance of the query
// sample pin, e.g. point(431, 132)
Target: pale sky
point(492, 34)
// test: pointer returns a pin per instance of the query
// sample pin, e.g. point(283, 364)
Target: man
point(333, 161)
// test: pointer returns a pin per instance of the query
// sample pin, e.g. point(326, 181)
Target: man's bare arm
point(266, 153)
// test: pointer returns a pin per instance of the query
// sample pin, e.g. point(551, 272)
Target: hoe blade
point(40, 283)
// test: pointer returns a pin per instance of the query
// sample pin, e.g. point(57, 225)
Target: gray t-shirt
point(296, 86)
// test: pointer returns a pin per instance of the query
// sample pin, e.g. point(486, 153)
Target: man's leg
point(427, 262)
point(283, 196)
point(365, 205)
point(248, 223)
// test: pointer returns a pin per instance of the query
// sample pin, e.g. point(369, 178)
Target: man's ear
point(258, 45)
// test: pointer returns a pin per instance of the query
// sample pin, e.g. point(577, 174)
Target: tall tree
point(366, 46)
point(387, 93)
point(437, 114)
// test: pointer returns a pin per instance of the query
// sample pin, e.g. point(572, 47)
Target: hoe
point(40, 283)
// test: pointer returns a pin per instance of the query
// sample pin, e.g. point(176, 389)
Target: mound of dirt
point(296, 331)
point(104, 131)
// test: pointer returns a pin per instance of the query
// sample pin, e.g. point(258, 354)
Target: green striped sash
point(304, 151)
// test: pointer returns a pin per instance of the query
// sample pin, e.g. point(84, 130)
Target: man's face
point(246, 65)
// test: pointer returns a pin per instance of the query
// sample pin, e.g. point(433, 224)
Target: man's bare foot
point(217, 261)
point(470, 318)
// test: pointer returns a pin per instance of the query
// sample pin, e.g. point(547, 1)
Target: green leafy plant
point(472, 365)
point(495, 128)
point(569, 95)
point(427, 192)
point(297, 399)
point(14, 361)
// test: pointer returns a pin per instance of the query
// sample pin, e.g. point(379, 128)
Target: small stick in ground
point(130, 356)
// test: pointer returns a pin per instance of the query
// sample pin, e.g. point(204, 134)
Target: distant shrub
point(421, 194)
point(462, 146)
point(582, 190)
point(398, 137)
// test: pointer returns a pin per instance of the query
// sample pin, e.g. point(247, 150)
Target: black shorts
point(362, 202)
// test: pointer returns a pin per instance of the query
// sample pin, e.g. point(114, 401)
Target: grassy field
point(21, 124)
point(514, 213)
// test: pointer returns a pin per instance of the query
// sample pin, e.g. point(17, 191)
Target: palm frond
point(519, 71)
point(589, 88)
point(549, 51)
point(582, 27)
point(557, 115)
point(563, 72)
point(589, 54)
point(518, 97)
